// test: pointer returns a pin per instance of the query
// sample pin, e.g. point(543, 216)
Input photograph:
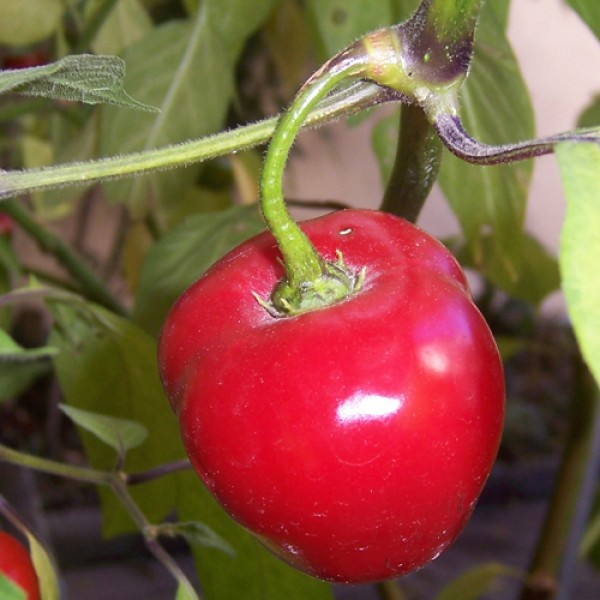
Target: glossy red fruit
point(16, 565)
point(353, 440)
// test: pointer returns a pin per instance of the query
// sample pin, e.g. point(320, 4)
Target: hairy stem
point(350, 100)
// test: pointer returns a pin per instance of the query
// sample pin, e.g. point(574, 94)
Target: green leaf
point(495, 108)
point(16, 378)
point(10, 351)
point(81, 78)
point(127, 23)
point(108, 365)
point(384, 140)
point(580, 245)
point(537, 277)
point(197, 534)
point(589, 11)
point(192, 66)
point(338, 23)
point(44, 568)
point(184, 254)
point(120, 434)
point(254, 569)
point(24, 22)
point(476, 582)
point(590, 117)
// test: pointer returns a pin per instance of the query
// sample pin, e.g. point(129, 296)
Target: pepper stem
point(310, 281)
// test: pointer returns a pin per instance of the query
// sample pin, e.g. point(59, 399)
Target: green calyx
point(334, 283)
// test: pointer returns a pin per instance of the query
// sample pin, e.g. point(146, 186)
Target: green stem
point(91, 285)
point(119, 487)
point(301, 261)
point(117, 482)
point(53, 467)
point(14, 183)
point(416, 165)
point(557, 549)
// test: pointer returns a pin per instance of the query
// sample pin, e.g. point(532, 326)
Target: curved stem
point(416, 165)
point(166, 469)
point(301, 261)
point(353, 99)
point(460, 143)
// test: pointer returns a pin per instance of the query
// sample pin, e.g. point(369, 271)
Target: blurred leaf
point(44, 569)
point(197, 534)
point(192, 66)
point(338, 23)
point(580, 245)
point(495, 108)
point(254, 569)
point(476, 582)
point(590, 117)
point(10, 351)
point(537, 277)
point(120, 434)
point(108, 365)
point(126, 24)
point(10, 590)
point(183, 593)
point(183, 254)
point(287, 39)
point(72, 146)
point(246, 167)
point(16, 378)
point(24, 22)
point(81, 78)
point(384, 141)
point(589, 11)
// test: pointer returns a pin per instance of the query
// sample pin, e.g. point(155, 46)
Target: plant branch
point(460, 143)
point(350, 100)
point(52, 467)
point(91, 285)
point(160, 471)
point(416, 166)
point(557, 551)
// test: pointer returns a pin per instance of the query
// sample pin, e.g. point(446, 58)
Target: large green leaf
point(127, 23)
point(495, 108)
point(536, 278)
point(187, 69)
point(589, 11)
point(184, 254)
point(108, 365)
point(580, 245)
point(253, 572)
point(340, 22)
